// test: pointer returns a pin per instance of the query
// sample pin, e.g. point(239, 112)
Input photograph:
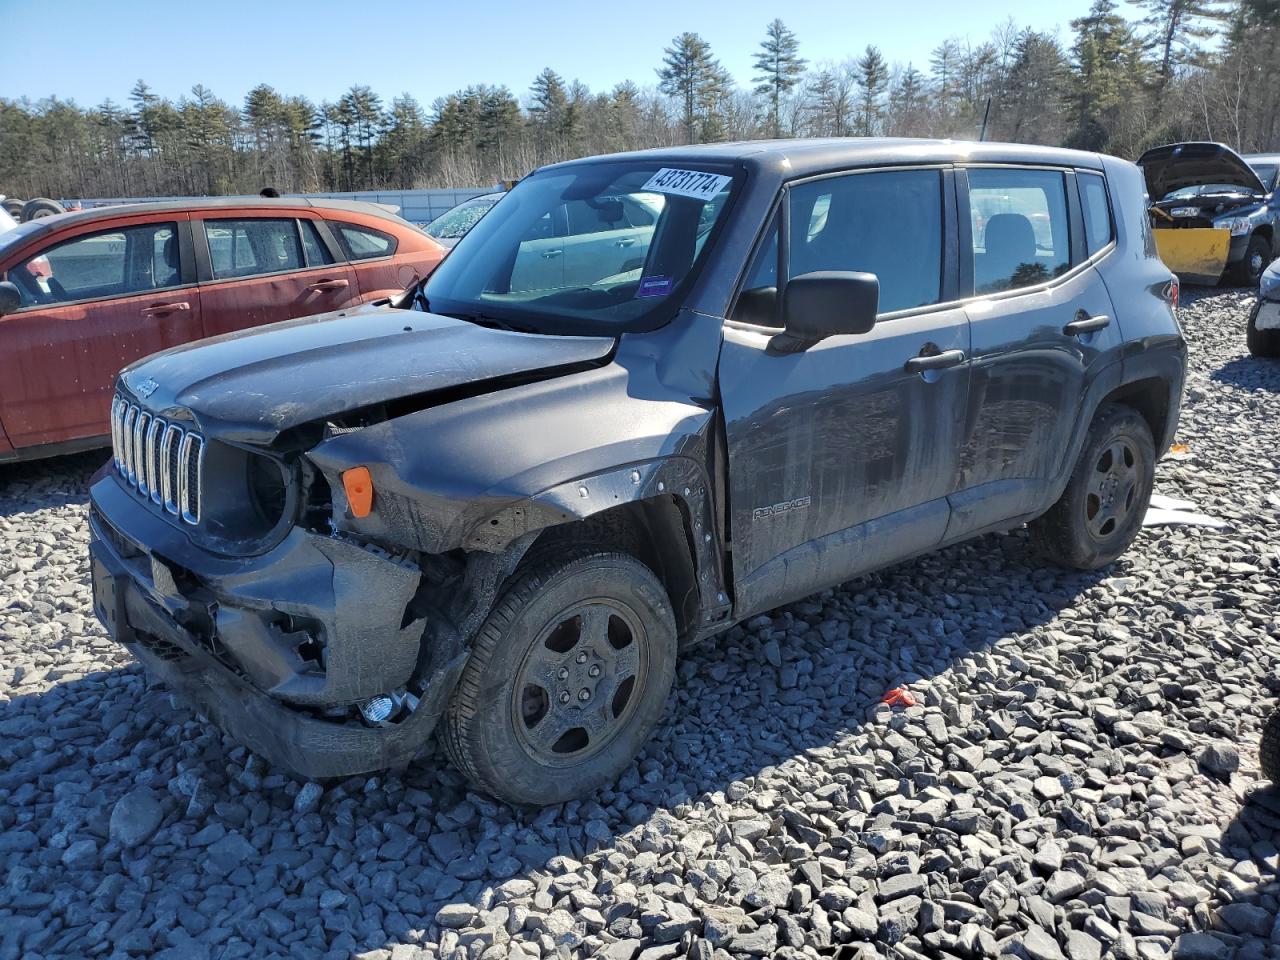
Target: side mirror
point(828, 303)
point(10, 297)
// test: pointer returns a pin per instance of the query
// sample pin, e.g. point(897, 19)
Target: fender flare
point(1164, 363)
point(680, 478)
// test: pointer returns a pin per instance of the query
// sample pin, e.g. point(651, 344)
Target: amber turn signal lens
point(359, 487)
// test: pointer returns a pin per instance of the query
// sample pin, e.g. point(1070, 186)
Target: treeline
point(1185, 69)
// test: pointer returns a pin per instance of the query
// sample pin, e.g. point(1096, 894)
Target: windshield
point(456, 222)
point(1266, 173)
point(590, 248)
point(1209, 189)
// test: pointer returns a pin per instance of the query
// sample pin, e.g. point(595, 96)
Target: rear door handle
point(625, 242)
point(163, 309)
point(548, 254)
point(935, 361)
point(329, 285)
point(1083, 323)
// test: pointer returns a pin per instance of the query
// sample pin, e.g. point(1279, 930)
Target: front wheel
point(1257, 255)
point(568, 677)
point(1101, 510)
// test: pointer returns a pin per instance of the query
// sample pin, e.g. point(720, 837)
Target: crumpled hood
point(254, 384)
point(1179, 165)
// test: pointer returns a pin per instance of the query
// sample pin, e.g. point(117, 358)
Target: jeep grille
point(160, 460)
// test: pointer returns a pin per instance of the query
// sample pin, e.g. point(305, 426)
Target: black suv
point(647, 396)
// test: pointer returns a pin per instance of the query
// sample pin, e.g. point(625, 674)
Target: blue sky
point(318, 48)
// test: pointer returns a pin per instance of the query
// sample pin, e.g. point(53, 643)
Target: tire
point(1101, 510)
point(1261, 343)
point(40, 207)
point(557, 649)
point(1257, 256)
point(13, 207)
point(1269, 747)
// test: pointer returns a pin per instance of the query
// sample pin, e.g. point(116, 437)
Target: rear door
point(607, 240)
point(94, 300)
point(1041, 323)
point(260, 269)
point(372, 255)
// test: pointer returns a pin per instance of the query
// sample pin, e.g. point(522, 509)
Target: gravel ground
point(1078, 778)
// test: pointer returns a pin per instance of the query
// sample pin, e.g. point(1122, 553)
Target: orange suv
point(84, 294)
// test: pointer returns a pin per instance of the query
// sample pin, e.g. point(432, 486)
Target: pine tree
point(831, 95)
point(906, 102)
point(1109, 72)
point(1175, 29)
point(779, 68)
point(873, 75)
point(691, 75)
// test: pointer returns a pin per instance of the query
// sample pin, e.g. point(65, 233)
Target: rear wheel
point(1101, 510)
point(1257, 255)
point(1269, 748)
point(568, 676)
point(1261, 343)
point(40, 207)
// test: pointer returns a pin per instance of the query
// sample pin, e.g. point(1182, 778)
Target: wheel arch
point(659, 511)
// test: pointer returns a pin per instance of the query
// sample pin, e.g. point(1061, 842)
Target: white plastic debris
point(1171, 512)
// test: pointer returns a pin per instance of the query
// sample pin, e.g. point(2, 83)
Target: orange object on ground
point(900, 697)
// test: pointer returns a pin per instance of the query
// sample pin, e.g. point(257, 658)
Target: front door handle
point(325, 285)
point(625, 242)
point(164, 309)
point(548, 254)
point(935, 361)
point(1083, 323)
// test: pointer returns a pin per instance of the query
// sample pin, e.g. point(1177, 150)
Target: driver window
point(888, 223)
point(113, 263)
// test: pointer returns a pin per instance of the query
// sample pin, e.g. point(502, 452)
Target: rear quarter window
point(365, 243)
point(1098, 228)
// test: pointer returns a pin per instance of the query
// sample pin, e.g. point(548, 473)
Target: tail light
point(1171, 291)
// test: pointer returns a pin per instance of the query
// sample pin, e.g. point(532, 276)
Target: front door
point(91, 304)
point(257, 270)
point(1040, 321)
point(841, 456)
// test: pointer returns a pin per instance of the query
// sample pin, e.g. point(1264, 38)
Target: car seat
point(1010, 243)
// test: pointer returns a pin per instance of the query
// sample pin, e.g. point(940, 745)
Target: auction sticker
point(686, 183)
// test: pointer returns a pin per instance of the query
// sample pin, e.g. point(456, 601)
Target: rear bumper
point(267, 646)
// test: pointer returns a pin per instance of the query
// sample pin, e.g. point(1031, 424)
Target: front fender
point(478, 473)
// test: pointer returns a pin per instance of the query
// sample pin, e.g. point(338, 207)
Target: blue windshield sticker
point(654, 287)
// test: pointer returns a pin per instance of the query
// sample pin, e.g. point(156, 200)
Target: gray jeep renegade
point(648, 396)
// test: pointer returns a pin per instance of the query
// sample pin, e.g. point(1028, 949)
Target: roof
point(92, 214)
point(1264, 157)
point(801, 157)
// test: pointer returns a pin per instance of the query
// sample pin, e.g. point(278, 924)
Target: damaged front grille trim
point(160, 460)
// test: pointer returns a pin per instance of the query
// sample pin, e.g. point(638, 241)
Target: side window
point(1021, 234)
point(889, 224)
point(317, 253)
point(364, 243)
point(113, 263)
point(1097, 212)
point(246, 248)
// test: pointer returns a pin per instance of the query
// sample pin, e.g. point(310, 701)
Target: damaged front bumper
point(278, 648)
